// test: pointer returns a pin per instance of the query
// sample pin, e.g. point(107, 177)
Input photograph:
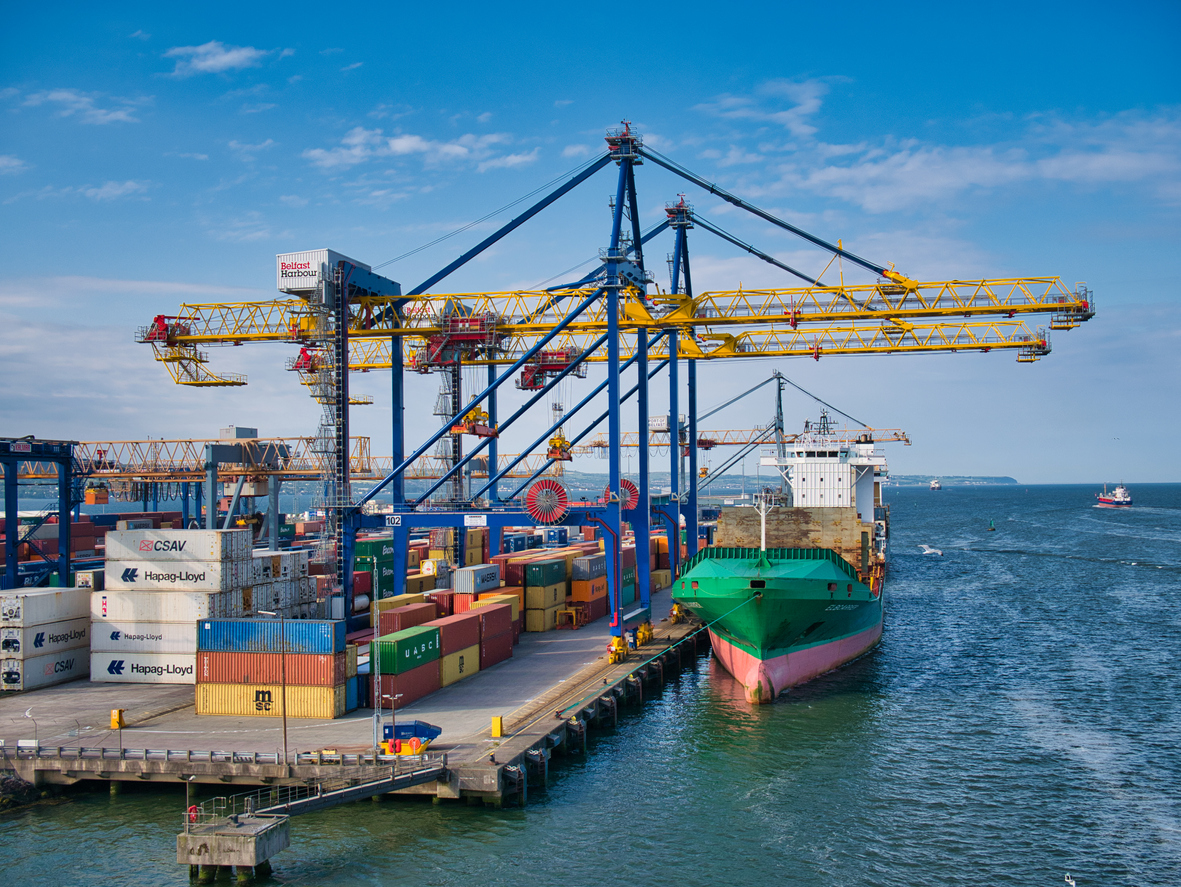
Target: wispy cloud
point(293, 200)
point(258, 108)
point(140, 35)
point(361, 145)
point(112, 190)
point(766, 105)
point(353, 66)
point(214, 57)
point(508, 161)
point(575, 151)
point(10, 164)
point(247, 152)
point(85, 106)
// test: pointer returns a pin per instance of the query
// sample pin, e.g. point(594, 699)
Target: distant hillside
point(948, 480)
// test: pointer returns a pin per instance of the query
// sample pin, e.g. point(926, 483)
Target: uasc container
point(404, 650)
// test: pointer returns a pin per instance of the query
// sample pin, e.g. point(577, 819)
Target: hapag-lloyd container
point(44, 671)
point(272, 635)
point(457, 632)
point(302, 669)
point(26, 641)
point(163, 546)
point(142, 668)
point(144, 637)
point(267, 700)
point(39, 606)
point(302, 272)
point(168, 606)
point(474, 580)
point(176, 575)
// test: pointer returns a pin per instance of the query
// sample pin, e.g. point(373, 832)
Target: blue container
point(351, 689)
point(271, 635)
point(533, 540)
point(104, 520)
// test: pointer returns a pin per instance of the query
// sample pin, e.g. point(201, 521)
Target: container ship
point(1117, 498)
point(792, 587)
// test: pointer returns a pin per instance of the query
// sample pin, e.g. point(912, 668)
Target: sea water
point(1019, 724)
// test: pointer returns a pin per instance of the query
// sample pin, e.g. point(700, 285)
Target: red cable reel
point(547, 502)
point(629, 495)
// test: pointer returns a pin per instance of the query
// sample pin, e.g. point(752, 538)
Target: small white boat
point(935, 485)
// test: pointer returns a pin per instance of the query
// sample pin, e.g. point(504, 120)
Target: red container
point(303, 669)
point(495, 648)
point(409, 616)
point(494, 620)
point(461, 602)
point(458, 632)
point(517, 627)
point(627, 557)
point(444, 602)
point(410, 686)
point(362, 637)
point(597, 607)
point(363, 582)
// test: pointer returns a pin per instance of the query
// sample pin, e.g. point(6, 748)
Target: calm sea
point(1021, 722)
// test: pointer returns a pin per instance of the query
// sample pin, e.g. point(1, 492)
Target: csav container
point(304, 669)
point(271, 635)
point(267, 700)
point(459, 665)
point(477, 579)
point(25, 641)
point(142, 668)
point(144, 637)
point(457, 632)
point(44, 671)
point(162, 546)
point(403, 651)
point(41, 606)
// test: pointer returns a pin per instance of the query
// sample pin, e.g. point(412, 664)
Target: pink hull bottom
point(764, 679)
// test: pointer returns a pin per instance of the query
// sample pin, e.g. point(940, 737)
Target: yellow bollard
point(497, 727)
point(117, 722)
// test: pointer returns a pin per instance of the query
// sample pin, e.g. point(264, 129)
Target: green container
point(55, 580)
point(628, 594)
point(286, 531)
point(403, 650)
point(542, 573)
point(629, 577)
point(382, 549)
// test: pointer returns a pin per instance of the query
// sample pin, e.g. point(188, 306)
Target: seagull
point(927, 549)
point(1069, 880)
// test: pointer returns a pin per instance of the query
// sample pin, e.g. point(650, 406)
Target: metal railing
point(22, 751)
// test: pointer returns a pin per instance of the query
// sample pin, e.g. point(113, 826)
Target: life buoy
point(193, 811)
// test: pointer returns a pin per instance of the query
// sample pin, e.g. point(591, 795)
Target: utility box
point(301, 273)
point(238, 432)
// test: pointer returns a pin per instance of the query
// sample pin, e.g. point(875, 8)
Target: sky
point(152, 155)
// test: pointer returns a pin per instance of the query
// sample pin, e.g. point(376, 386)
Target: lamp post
point(282, 673)
point(36, 740)
point(393, 711)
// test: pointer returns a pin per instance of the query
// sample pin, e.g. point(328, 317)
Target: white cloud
point(111, 190)
point(140, 35)
point(575, 151)
point(293, 200)
point(258, 108)
point(11, 164)
point(485, 117)
point(214, 57)
point(247, 152)
point(191, 156)
point(72, 101)
point(562, 103)
point(508, 161)
point(353, 66)
point(766, 105)
point(360, 145)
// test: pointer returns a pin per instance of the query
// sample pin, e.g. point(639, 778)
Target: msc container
point(403, 651)
point(302, 272)
point(543, 598)
point(459, 665)
point(457, 632)
point(271, 635)
point(495, 649)
point(409, 686)
point(156, 546)
point(155, 606)
point(176, 575)
point(142, 668)
point(590, 566)
point(401, 618)
point(144, 637)
point(477, 579)
point(267, 700)
point(303, 669)
point(27, 641)
point(40, 606)
point(44, 671)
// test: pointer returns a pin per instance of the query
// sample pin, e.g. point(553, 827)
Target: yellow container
point(543, 597)
point(490, 598)
point(419, 583)
point(413, 558)
point(266, 700)
point(350, 658)
point(542, 620)
point(473, 557)
point(437, 554)
point(459, 665)
point(400, 600)
point(661, 579)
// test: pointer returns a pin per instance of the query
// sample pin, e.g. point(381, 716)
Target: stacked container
point(588, 586)
point(545, 593)
point(496, 633)
point(407, 663)
point(251, 666)
point(459, 647)
point(44, 637)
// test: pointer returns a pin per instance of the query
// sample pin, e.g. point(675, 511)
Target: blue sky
point(150, 156)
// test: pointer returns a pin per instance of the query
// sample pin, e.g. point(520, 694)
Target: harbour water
point(1020, 722)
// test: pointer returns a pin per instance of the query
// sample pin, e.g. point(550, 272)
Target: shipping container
point(400, 600)
point(514, 601)
point(494, 619)
point(496, 648)
point(271, 635)
point(144, 637)
point(459, 665)
point(408, 687)
point(590, 566)
point(404, 650)
point(544, 598)
point(381, 548)
point(155, 606)
point(303, 272)
point(26, 641)
point(351, 693)
point(542, 620)
point(515, 591)
point(478, 579)
point(457, 632)
point(419, 583)
point(40, 606)
point(350, 652)
point(142, 668)
point(44, 671)
point(92, 579)
point(176, 575)
point(444, 601)
point(182, 546)
point(303, 669)
point(461, 603)
point(267, 700)
point(400, 618)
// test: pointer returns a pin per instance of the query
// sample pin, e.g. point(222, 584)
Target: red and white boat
point(1117, 498)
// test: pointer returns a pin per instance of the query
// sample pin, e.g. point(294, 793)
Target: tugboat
point(1117, 498)
point(935, 485)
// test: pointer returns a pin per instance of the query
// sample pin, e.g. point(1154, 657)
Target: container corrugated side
point(492, 598)
point(135, 574)
point(401, 618)
point(477, 579)
point(270, 635)
point(162, 546)
point(144, 637)
point(457, 666)
point(544, 597)
point(142, 668)
point(44, 671)
point(409, 686)
point(303, 669)
point(267, 700)
point(41, 606)
point(27, 641)
point(171, 606)
point(457, 632)
point(301, 272)
point(495, 649)
point(404, 650)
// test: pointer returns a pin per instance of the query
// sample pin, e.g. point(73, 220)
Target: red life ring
point(193, 811)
